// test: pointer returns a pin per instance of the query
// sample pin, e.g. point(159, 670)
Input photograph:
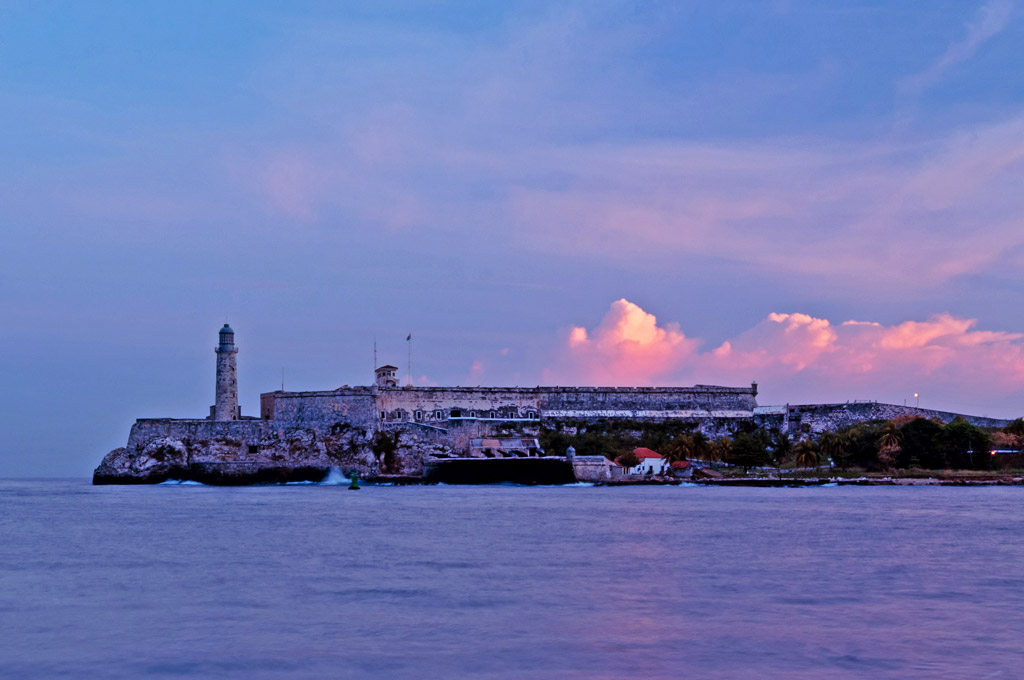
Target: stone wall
point(481, 411)
point(592, 468)
point(353, 405)
point(817, 418)
point(435, 405)
point(662, 403)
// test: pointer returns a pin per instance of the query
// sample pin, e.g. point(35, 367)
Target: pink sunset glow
point(798, 356)
point(627, 346)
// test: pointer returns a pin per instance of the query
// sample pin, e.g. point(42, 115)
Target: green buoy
point(354, 486)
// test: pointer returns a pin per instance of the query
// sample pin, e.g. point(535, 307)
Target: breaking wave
point(335, 477)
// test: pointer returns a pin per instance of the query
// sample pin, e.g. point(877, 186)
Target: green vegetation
point(629, 459)
point(906, 443)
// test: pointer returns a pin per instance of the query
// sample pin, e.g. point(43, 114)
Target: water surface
point(509, 582)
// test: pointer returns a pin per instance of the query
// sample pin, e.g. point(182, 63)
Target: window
point(530, 415)
point(253, 448)
point(491, 414)
point(383, 415)
point(472, 414)
point(419, 415)
point(456, 413)
point(437, 415)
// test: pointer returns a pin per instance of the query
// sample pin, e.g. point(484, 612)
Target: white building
point(651, 463)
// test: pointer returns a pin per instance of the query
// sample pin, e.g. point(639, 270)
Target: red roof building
point(651, 463)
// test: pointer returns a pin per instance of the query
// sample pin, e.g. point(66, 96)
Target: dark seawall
point(499, 470)
point(219, 475)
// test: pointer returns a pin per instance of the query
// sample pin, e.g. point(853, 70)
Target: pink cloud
point(802, 358)
point(628, 347)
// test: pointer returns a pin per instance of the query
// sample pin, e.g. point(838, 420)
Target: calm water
point(510, 582)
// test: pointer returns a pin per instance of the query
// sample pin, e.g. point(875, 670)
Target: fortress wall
point(354, 406)
point(506, 402)
point(648, 402)
point(364, 405)
point(235, 436)
point(592, 468)
point(817, 418)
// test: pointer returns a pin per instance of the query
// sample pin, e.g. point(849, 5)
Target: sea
point(503, 582)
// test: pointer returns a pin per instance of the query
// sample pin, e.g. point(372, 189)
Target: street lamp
point(918, 398)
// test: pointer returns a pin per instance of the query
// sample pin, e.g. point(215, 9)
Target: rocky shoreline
point(950, 480)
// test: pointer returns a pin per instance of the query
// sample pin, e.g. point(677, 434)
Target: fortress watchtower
point(385, 376)
point(226, 403)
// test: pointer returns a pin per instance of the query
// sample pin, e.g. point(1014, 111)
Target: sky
point(827, 198)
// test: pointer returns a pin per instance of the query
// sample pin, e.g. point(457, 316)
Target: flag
point(410, 337)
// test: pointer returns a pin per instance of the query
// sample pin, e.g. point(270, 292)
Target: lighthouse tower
point(226, 404)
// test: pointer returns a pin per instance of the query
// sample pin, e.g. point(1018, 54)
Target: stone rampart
point(592, 468)
point(436, 405)
point(648, 402)
point(354, 405)
point(817, 418)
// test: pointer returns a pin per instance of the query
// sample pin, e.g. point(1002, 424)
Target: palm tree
point(833, 445)
point(889, 444)
point(720, 449)
point(891, 436)
point(782, 447)
point(680, 448)
point(805, 454)
point(701, 446)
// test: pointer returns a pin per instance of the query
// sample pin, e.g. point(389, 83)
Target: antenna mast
point(409, 340)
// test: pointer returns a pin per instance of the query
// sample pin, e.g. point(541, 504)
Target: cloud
point(990, 20)
point(871, 215)
point(549, 134)
point(802, 357)
point(627, 347)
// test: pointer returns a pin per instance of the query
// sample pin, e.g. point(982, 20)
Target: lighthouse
point(226, 403)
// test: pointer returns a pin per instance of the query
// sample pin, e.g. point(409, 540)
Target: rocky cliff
point(261, 452)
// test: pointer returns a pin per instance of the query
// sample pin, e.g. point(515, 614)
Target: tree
point(687, 445)
point(805, 454)
point(889, 445)
point(628, 459)
point(1005, 440)
point(782, 449)
point(891, 435)
point(680, 448)
point(1016, 428)
point(921, 444)
point(701, 446)
point(834, 446)
point(748, 450)
point(965, 445)
point(862, 445)
point(720, 450)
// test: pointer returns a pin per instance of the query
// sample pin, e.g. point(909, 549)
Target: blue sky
point(709, 190)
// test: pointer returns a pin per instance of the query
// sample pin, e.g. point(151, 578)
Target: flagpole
point(409, 340)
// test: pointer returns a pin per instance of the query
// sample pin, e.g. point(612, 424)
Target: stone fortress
point(387, 430)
